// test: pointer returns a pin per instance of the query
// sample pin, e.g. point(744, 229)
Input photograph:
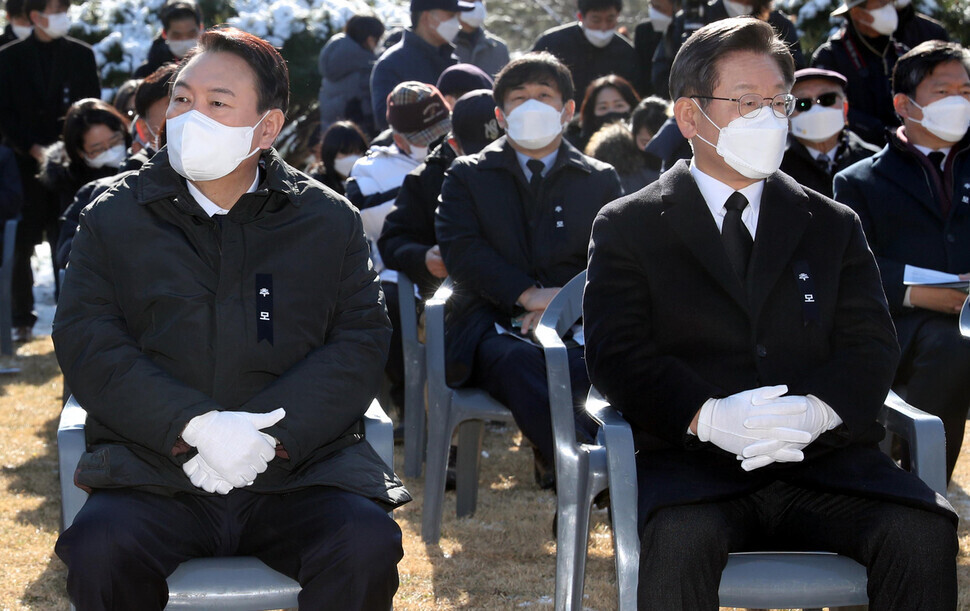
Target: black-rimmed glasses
point(826, 99)
point(750, 104)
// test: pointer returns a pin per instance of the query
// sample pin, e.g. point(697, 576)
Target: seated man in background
point(181, 27)
point(736, 319)
point(513, 226)
point(476, 45)
point(226, 380)
point(820, 144)
point(912, 198)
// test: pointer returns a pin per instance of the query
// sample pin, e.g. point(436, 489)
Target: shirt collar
point(715, 192)
point(927, 150)
point(210, 207)
point(547, 162)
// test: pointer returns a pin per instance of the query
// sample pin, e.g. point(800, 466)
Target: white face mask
point(111, 158)
point(736, 9)
point(884, 19)
point(818, 124)
point(200, 148)
point(449, 29)
point(343, 165)
point(753, 147)
point(475, 17)
point(659, 21)
point(534, 125)
point(418, 153)
point(58, 25)
point(947, 118)
point(598, 38)
point(21, 31)
point(180, 47)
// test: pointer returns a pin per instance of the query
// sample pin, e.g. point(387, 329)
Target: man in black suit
point(912, 198)
point(732, 314)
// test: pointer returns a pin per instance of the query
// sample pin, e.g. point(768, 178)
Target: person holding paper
point(913, 200)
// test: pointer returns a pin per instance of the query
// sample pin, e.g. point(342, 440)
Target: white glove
point(817, 418)
point(230, 442)
point(722, 421)
point(203, 476)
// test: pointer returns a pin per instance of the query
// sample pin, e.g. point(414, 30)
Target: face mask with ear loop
point(753, 147)
point(947, 118)
point(200, 148)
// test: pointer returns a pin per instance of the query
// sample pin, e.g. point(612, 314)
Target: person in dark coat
point(181, 27)
point(345, 65)
point(591, 47)
point(422, 54)
point(40, 77)
point(915, 27)
point(820, 144)
point(18, 24)
point(225, 381)
point(649, 35)
point(477, 46)
point(865, 56)
point(912, 198)
point(757, 331)
point(513, 225)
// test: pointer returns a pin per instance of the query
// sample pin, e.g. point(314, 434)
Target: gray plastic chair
point(239, 583)
point(6, 287)
point(464, 409)
point(415, 379)
point(583, 470)
point(791, 580)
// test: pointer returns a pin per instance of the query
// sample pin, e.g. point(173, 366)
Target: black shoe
point(545, 474)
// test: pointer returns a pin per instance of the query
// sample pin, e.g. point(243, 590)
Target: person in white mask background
point(476, 45)
point(648, 35)
point(422, 54)
point(31, 118)
point(912, 197)
point(513, 226)
point(865, 50)
point(182, 24)
point(719, 305)
point(18, 23)
point(916, 27)
point(592, 46)
point(820, 143)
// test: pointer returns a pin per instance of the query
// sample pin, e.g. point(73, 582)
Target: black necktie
point(824, 162)
point(737, 240)
point(535, 166)
point(936, 158)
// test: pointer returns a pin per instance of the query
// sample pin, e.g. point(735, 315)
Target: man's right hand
point(535, 299)
point(205, 477)
point(434, 262)
point(947, 301)
point(232, 444)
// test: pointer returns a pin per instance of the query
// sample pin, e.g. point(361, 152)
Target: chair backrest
point(409, 316)
point(562, 313)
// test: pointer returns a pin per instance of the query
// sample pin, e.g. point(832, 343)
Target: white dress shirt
point(210, 207)
point(716, 193)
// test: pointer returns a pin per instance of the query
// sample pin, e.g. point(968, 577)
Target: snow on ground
point(43, 268)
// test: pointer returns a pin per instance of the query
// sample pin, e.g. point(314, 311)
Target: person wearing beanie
point(419, 118)
point(459, 79)
point(476, 45)
point(422, 54)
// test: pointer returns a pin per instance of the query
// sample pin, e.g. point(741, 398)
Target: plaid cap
point(473, 121)
point(418, 112)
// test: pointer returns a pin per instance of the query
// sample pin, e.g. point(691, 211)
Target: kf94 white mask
point(884, 19)
point(449, 29)
point(753, 147)
point(180, 47)
point(58, 25)
point(818, 124)
point(599, 38)
point(111, 158)
point(534, 125)
point(659, 21)
point(947, 118)
point(343, 165)
point(200, 148)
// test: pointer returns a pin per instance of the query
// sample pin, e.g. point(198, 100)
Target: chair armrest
point(434, 337)
point(70, 446)
point(379, 432)
point(925, 436)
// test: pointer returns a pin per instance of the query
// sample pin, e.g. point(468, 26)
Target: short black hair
point(361, 27)
point(535, 67)
point(599, 5)
point(124, 95)
point(81, 116)
point(174, 10)
point(650, 113)
point(156, 86)
point(587, 112)
point(343, 138)
point(696, 67)
point(272, 74)
point(41, 5)
point(920, 61)
point(14, 8)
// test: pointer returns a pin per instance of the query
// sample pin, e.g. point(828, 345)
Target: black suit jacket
point(669, 325)
point(800, 165)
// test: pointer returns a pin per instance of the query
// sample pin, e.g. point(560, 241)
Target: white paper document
point(916, 276)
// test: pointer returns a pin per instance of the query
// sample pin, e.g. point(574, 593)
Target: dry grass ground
point(502, 558)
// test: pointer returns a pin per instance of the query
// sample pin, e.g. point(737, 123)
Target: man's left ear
point(568, 111)
point(270, 128)
point(901, 105)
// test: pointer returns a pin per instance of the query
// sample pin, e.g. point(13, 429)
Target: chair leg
point(435, 473)
point(6, 314)
point(414, 417)
point(470, 434)
point(572, 533)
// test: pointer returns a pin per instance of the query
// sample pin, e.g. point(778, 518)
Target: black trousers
point(341, 547)
point(514, 372)
point(39, 219)
point(936, 372)
point(910, 554)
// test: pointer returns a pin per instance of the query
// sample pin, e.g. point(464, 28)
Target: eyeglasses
point(826, 99)
point(101, 147)
point(750, 104)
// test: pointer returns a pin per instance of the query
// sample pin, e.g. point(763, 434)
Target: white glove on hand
point(203, 476)
point(817, 418)
point(231, 444)
point(722, 422)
